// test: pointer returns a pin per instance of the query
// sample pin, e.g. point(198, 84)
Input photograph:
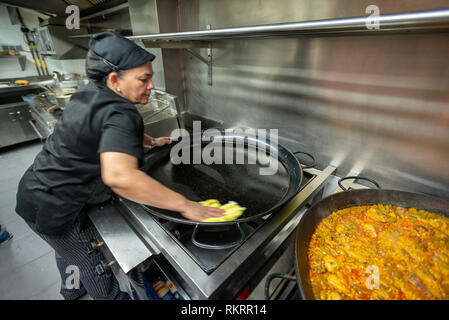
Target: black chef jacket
point(65, 177)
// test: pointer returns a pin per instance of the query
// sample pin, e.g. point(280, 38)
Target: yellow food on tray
point(380, 252)
point(232, 210)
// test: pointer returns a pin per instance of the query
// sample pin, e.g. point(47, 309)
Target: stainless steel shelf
point(435, 20)
point(22, 60)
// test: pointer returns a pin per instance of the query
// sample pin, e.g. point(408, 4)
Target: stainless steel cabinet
point(16, 124)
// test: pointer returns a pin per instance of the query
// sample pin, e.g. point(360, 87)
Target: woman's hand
point(158, 142)
point(197, 212)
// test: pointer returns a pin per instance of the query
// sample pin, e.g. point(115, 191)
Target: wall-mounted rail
point(422, 21)
point(436, 20)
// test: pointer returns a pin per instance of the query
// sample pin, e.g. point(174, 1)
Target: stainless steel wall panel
point(160, 16)
point(375, 105)
point(196, 14)
point(144, 19)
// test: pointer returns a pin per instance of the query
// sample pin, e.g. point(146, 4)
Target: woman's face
point(136, 84)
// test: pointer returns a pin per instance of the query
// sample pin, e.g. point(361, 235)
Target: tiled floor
point(27, 263)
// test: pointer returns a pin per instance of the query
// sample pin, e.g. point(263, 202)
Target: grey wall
point(10, 35)
point(375, 105)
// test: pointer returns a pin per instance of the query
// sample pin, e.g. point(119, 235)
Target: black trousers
point(72, 258)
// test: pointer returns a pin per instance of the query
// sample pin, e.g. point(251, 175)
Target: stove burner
point(210, 246)
point(218, 238)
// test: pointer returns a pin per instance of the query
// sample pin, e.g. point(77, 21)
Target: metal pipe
point(410, 21)
point(41, 65)
point(25, 31)
point(34, 57)
point(44, 63)
point(106, 11)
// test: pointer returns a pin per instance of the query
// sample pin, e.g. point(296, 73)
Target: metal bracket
point(207, 60)
point(22, 62)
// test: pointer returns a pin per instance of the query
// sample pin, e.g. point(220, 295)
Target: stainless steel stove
point(203, 263)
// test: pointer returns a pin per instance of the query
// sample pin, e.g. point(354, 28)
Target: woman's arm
point(120, 172)
point(147, 140)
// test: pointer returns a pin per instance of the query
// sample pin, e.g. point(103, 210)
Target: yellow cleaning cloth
point(232, 210)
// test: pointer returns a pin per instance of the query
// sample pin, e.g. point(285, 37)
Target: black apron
point(65, 177)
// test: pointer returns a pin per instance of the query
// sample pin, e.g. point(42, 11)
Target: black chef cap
point(109, 52)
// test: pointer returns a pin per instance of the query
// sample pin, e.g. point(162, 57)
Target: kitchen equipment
point(326, 206)
point(16, 121)
point(242, 183)
point(201, 273)
point(260, 194)
point(63, 100)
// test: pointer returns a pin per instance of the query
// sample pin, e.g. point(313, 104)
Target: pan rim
point(289, 194)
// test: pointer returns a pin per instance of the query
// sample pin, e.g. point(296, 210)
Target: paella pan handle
point(311, 156)
point(224, 245)
point(357, 178)
point(273, 276)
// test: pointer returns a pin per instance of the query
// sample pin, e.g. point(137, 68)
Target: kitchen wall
point(12, 36)
point(145, 20)
point(371, 105)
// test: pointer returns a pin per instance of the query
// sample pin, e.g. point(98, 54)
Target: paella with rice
point(380, 252)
